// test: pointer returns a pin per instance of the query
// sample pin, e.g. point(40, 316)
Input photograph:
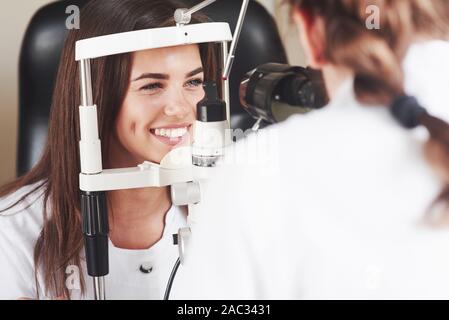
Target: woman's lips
point(172, 141)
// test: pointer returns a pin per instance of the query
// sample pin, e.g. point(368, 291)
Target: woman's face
point(160, 105)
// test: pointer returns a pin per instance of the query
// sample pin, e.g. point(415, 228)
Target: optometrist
point(355, 203)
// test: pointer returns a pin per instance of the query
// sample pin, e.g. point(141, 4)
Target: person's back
point(360, 217)
point(326, 222)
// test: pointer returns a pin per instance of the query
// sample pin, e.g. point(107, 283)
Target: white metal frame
point(125, 42)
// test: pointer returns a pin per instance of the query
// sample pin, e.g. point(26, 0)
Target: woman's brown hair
point(60, 241)
point(375, 56)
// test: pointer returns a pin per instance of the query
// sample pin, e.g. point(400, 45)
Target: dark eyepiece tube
point(273, 92)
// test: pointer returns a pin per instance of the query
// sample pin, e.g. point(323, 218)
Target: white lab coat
point(336, 210)
point(20, 228)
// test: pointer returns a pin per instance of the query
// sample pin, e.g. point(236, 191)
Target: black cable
point(170, 280)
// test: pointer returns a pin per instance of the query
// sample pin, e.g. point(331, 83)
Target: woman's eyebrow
point(162, 76)
point(194, 72)
point(159, 76)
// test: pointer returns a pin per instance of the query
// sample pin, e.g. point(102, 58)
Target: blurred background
point(14, 19)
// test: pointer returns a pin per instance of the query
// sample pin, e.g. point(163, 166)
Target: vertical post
point(85, 83)
point(235, 40)
point(94, 212)
point(99, 288)
point(90, 145)
point(225, 82)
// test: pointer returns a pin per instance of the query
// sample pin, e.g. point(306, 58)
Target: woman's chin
point(160, 147)
point(159, 155)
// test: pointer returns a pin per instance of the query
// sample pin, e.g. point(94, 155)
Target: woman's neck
point(334, 77)
point(137, 216)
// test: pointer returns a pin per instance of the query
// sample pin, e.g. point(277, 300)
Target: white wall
point(14, 18)
point(287, 31)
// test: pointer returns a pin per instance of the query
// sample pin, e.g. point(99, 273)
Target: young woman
point(351, 210)
point(146, 107)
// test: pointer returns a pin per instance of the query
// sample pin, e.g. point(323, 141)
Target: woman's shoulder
point(20, 226)
point(435, 48)
point(427, 56)
point(426, 67)
point(21, 213)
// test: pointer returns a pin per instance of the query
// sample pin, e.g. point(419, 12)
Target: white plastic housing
point(185, 193)
point(130, 178)
point(151, 39)
point(175, 167)
point(90, 145)
point(209, 138)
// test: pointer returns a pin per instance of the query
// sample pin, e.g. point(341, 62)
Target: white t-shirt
point(333, 211)
point(426, 66)
point(21, 226)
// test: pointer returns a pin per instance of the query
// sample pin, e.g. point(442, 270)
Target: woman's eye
point(195, 82)
point(152, 86)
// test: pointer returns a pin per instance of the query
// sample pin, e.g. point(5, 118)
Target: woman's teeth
point(171, 133)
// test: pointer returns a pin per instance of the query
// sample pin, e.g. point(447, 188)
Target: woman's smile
point(172, 135)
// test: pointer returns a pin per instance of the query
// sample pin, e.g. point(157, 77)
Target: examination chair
point(42, 45)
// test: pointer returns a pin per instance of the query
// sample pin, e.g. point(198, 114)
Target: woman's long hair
point(60, 242)
point(375, 56)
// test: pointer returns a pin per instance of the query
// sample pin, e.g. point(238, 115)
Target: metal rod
point(85, 83)
point(256, 126)
point(225, 82)
point(238, 30)
point(87, 101)
point(199, 6)
point(99, 288)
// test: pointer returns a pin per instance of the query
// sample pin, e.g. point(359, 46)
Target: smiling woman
point(159, 107)
point(146, 106)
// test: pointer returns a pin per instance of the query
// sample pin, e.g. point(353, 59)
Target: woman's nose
point(177, 106)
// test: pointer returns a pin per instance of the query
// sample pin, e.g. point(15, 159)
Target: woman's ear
point(312, 35)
